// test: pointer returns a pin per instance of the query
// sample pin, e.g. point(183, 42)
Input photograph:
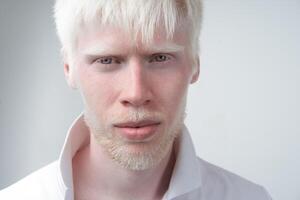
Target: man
point(132, 62)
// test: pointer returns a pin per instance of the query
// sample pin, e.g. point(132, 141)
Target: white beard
point(139, 155)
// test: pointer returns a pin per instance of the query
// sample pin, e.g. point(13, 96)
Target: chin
point(132, 151)
point(141, 156)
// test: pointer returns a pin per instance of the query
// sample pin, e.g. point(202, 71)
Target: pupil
point(106, 60)
point(161, 57)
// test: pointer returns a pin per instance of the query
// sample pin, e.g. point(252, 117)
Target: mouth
point(139, 124)
point(138, 131)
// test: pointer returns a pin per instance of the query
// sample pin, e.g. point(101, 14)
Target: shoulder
point(41, 184)
point(223, 184)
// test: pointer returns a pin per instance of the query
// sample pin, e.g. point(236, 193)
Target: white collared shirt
point(192, 177)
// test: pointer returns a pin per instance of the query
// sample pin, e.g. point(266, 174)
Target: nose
point(136, 90)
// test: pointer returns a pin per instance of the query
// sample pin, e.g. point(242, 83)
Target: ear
point(196, 71)
point(69, 73)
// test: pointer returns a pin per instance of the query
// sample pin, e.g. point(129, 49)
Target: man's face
point(134, 93)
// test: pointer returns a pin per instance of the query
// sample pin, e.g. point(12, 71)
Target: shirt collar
point(186, 175)
point(77, 137)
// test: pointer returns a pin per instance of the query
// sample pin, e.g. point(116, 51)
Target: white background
point(243, 113)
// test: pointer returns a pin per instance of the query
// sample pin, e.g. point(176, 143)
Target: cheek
point(96, 92)
point(173, 90)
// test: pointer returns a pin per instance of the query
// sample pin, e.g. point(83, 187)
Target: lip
point(138, 124)
point(138, 131)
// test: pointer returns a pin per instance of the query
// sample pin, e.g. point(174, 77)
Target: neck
point(97, 175)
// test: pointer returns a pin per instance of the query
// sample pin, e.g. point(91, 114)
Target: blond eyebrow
point(102, 49)
point(105, 49)
point(166, 47)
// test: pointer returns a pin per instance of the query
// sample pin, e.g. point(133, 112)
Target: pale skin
point(113, 76)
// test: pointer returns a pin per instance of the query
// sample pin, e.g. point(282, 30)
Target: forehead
point(93, 39)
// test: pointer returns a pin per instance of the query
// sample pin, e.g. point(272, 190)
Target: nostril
point(147, 101)
point(135, 103)
point(125, 103)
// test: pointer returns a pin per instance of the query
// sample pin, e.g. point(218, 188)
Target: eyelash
point(111, 58)
point(159, 58)
point(153, 57)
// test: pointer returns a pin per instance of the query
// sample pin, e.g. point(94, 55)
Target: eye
point(159, 58)
point(107, 60)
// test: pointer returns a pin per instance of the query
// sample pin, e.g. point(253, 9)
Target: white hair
point(136, 16)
